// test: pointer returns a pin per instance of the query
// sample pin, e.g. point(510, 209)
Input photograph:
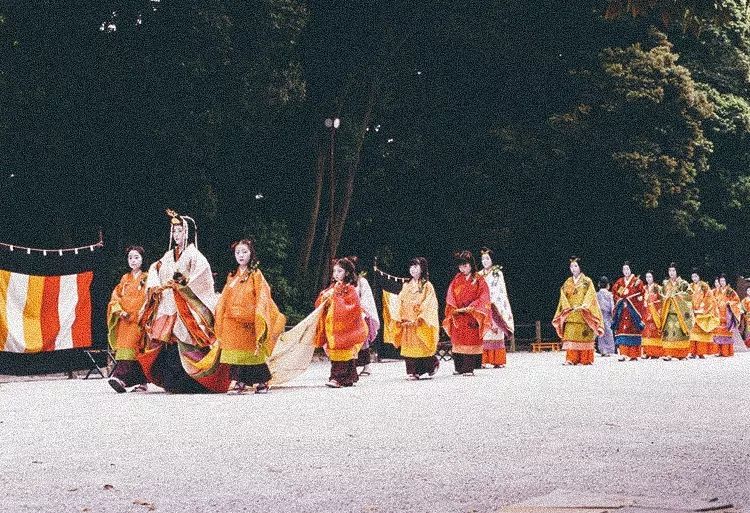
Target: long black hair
point(466, 257)
point(350, 271)
point(422, 263)
point(253, 262)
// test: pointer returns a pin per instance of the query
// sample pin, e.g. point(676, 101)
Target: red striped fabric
point(31, 308)
point(50, 316)
point(82, 324)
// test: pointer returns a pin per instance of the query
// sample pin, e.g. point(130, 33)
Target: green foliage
point(273, 245)
point(690, 15)
point(643, 116)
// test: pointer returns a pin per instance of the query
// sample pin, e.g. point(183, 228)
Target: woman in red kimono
point(342, 328)
point(467, 315)
point(627, 322)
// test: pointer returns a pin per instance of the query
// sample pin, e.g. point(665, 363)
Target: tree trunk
point(305, 254)
point(338, 219)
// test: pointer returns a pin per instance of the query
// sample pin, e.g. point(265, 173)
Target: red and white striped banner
point(44, 313)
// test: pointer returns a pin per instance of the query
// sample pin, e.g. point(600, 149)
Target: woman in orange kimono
point(676, 318)
point(627, 321)
point(745, 327)
point(728, 310)
point(651, 334)
point(713, 348)
point(124, 333)
point(578, 319)
point(247, 323)
point(704, 317)
point(411, 321)
point(467, 315)
point(342, 328)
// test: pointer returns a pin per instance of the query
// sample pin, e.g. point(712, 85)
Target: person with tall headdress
point(501, 320)
point(704, 317)
point(125, 335)
point(342, 328)
point(676, 316)
point(606, 342)
point(627, 320)
point(248, 322)
point(181, 353)
point(729, 312)
point(651, 334)
point(370, 310)
point(578, 319)
point(467, 315)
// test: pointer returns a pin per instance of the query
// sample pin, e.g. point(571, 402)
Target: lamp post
point(332, 124)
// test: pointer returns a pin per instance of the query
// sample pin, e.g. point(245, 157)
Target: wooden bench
point(538, 347)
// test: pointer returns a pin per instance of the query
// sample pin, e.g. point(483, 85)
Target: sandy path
point(448, 444)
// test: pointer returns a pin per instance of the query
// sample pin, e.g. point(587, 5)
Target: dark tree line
point(609, 129)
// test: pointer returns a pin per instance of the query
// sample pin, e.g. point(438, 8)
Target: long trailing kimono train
point(627, 319)
point(651, 334)
point(676, 318)
point(502, 325)
point(341, 331)
point(606, 342)
point(248, 323)
point(182, 354)
point(410, 320)
point(294, 349)
point(367, 300)
point(705, 320)
point(728, 311)
point(467, 329)
point(124, 334)
point(578, 319)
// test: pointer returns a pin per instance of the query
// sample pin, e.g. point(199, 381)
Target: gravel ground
point(448, 444)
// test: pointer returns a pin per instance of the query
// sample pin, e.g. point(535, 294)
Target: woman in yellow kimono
point(411, 321)
point(125, 335)
point(342, 328)
point(728, 310)
point(578, 319)
point(247, 323)
point(676, 317)
point(704, 317)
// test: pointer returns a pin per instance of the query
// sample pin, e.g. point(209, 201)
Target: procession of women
point(167, 326)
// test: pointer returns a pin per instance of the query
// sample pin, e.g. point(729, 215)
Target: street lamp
point(332, 123)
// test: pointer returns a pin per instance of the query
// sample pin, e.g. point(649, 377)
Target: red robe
point(466, 329)
point(628, 294)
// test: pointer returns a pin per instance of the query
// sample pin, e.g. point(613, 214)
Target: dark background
point(540, 130)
